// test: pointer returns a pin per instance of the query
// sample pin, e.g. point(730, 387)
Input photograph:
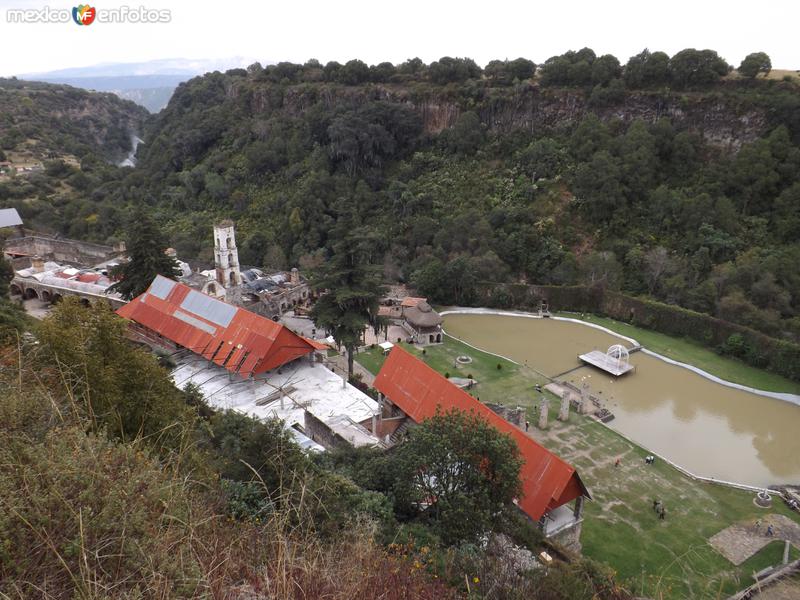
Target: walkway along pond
point(711, 429)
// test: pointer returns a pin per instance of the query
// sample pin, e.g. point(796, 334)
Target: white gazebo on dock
point(615, 361)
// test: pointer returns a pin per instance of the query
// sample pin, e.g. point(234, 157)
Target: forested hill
point(45, 121)
point(672, 177)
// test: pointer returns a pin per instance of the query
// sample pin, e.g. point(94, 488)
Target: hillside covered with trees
point(674, 178)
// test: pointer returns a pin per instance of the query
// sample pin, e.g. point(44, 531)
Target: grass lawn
point(696, 354)
point(658, 559)
point(668, 559)
point(511, 384)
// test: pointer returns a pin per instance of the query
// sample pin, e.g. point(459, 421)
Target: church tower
point(226, 257)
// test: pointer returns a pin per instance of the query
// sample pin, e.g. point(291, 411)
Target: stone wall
point(74, 252)
point(321, 433)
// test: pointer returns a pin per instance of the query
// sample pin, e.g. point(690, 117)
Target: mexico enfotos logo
point(84, 15)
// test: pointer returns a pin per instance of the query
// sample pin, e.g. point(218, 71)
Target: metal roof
point(547, 481)
point(231, 337)
point(9, 217)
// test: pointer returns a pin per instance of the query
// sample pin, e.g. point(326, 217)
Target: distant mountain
point(43, 120)
point(149, 84)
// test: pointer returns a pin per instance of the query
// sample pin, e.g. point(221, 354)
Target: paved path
point(339, 364)
point(739, 542)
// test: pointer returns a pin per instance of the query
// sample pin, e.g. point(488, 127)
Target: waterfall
point(130, 160)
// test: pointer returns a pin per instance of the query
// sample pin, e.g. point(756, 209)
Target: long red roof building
point(237, 339)
point(547, 481)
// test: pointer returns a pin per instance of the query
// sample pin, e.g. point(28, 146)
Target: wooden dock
point(606, 363)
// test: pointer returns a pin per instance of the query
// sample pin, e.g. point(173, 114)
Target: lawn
point(658, 559)
point(511, 384)
point(668, 559)
point(696, 354)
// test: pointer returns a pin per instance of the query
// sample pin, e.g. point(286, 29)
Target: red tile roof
point(239, 340)
point(547, 481)
point(409, 301)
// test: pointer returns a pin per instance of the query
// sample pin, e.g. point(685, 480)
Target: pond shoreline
point(783, 396)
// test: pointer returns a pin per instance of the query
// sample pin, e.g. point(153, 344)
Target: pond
point(708, 428)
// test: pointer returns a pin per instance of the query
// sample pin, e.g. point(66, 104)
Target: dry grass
point(84, 517)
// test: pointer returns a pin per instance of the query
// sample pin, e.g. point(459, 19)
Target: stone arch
point(30, 293)
point(228, 242)
point(46, 296)
point(232, 278)
point(57, 298)
point(14, 290)
point(438, 338)
point(212, 288)
point(432, 338)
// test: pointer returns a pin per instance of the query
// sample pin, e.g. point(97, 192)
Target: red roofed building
point(174, 315)
point(548, 483)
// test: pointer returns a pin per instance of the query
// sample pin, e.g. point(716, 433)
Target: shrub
point(499, 367)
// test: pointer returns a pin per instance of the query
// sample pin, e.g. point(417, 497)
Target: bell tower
point(226, 257)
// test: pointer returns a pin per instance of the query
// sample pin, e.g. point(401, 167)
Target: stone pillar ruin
point(563, 411)
point(544, 408)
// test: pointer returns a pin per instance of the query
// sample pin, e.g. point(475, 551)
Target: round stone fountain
point(763, 499)
point(463, 360)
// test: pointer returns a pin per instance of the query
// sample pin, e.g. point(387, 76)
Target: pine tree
point(350, 282)
point(146, 245)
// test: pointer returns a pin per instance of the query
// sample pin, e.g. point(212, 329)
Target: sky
point(378, 31)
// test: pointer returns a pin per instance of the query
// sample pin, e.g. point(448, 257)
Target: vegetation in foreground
point(114, 490)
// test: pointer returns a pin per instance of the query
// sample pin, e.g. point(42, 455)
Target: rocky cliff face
point(48, 118)
point(721, 121)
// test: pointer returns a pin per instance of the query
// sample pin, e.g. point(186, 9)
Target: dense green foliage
point(460, 471)
point(146, 247)
point(465, 176)
point(351, 288)
point(52, 120)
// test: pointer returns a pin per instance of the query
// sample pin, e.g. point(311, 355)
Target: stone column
point(563, 412)
point(544, 408)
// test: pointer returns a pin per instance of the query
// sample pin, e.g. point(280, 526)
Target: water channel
point(710, 429)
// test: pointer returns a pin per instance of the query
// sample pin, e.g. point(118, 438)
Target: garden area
point(668, 558)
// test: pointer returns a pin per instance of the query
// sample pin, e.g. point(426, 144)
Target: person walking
point(527, 425)
point(662, 514)
point(616, 462)
point(770, 531)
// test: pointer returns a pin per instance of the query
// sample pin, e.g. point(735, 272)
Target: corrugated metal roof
point(161, 287)
point(209, 308)
point(231, 337)
point(547, 481)
point(9, 217)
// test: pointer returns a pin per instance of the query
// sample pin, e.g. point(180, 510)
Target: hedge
point(749, 345)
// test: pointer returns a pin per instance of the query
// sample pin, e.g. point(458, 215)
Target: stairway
point(400, 433)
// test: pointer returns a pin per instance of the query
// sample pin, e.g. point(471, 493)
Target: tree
point(692, 67)
point(647, 69)
point(466, 135)
point(146, 245)
point(6, 275)
point(459, 471)
point(350, 286)
point(116, 385)
point(755, 63)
